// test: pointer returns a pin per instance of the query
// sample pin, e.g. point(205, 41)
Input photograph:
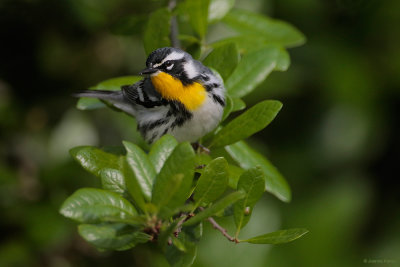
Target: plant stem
point(220, 228)
point(174, 26)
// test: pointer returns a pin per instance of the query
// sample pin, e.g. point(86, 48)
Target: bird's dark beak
point(148, 71)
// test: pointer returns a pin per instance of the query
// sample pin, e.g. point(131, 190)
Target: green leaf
point(248, 158)
point(167, 232)
point(178, 244)
point(189, 39)
point(212, 183)
point(161, 150)
point(218, 9)
point(114, 181)
point(245, 43)
point(224, 59)
point(237, 104)
point(173, 184)
point(218, 206)
point(157, 30)
point(94, 160)
point(228, 107)
point(252, 69)
point(133, 187)
point(234, 174)
point(274, 31)
point(283, 61)
point(176, 257)
point(90, 205)
point(198, 15)
point(201, 160)
point(252, 183)
point(141, 166)
point(113, 84)
point(251, 121)
point(232, 105)
point(112, 236)
point(278, 237)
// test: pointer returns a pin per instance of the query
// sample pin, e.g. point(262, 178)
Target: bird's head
point(172, 61)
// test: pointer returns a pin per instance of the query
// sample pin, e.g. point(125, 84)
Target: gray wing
point(143, 94)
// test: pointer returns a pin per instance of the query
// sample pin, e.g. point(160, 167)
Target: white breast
point(205, 119)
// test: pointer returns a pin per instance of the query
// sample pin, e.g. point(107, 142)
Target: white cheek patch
point(190, 70)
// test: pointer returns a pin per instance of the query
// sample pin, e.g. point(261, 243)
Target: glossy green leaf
point(133, 186)
point(212, 183)
point(198, 15)
point(94, 159)
point(113, 84)
point(252, 183)
point(275, 31)
point(251, 121)
point(112, 236)
point(113, 180)
point(218, 9)
point(215, 208)
point(278, 237)
point(141, 166)
point(252, 69)
point(173, 184)
point(248, 158)
point(157, 30)
point(161, 150)
point(90, 205)
point(224, 59)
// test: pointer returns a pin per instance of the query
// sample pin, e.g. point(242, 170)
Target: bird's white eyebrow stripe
point(173, 56)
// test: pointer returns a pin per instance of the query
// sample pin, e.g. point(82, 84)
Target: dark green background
point(336, 139)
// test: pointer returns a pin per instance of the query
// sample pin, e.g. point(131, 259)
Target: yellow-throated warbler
point(178, 95)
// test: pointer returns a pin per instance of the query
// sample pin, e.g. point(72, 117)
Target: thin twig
point(220, 228)
point(174, 26)
point(179, 224)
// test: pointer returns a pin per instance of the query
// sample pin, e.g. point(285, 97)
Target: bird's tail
point(107, 95)
point(114, 99)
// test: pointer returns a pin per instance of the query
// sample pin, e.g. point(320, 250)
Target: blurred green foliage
point(336, 140)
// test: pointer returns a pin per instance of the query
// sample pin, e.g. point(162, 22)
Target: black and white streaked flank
point(157, 115)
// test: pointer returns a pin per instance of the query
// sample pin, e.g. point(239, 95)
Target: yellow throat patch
point(171, 88)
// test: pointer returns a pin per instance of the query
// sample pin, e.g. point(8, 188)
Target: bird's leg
point(200, 148)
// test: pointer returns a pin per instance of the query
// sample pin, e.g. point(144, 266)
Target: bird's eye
point(168, 64)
